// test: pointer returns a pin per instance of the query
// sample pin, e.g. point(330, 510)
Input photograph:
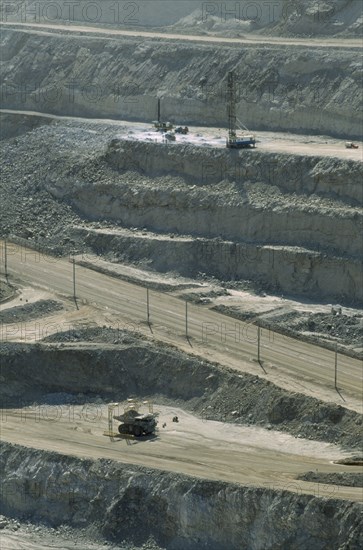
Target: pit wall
point(181, 513)
point(306, 90)
point(184, 215)
point(280, 269)
point(252, 216)
point(290, 173)
point(230, 211)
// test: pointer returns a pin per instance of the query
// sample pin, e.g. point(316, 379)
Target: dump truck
point(134, 423)
point(351, 145)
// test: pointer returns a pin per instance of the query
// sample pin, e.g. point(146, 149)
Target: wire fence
point(168, 317)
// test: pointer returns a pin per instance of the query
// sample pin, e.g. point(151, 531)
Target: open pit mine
point(181, 297)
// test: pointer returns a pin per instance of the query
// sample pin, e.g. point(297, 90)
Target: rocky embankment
point(180, 512)
point(297, 89)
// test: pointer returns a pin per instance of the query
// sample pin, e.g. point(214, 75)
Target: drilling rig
point(159, 125)
point(245, 140)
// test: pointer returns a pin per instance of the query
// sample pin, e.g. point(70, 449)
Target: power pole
point(6, 258)
point(259, 344)
point(74, 279)
point(186, 320)
point(336, 367)
point(148, 306)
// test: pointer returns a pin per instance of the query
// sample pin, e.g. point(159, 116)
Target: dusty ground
point(251, 39)
point(203, 136)
point(266, 141)
point(202, 448)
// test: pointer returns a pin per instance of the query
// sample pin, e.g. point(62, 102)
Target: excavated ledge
point(292, 270)
point(180, 512)
point(291, 173)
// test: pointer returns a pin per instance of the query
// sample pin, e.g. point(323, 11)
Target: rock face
point(297, 89)
point(180, 512)
point(292, 270)
point(290, 222)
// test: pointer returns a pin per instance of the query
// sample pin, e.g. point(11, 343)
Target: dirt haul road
point(246, 40)
point(205, 449)
point(289, 363)
point(273, 142)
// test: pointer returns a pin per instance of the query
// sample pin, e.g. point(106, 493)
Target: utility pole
point(336, 367)
point(148, 306)
point(186, 320)
point(6, 258)
point(259, 344)
point(74, 279)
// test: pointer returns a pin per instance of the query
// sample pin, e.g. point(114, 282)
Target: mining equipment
point(182, 130)
point(159, 125)
point(351, 145)
point(132, 421)
point(244, 140)
point(170, 136)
